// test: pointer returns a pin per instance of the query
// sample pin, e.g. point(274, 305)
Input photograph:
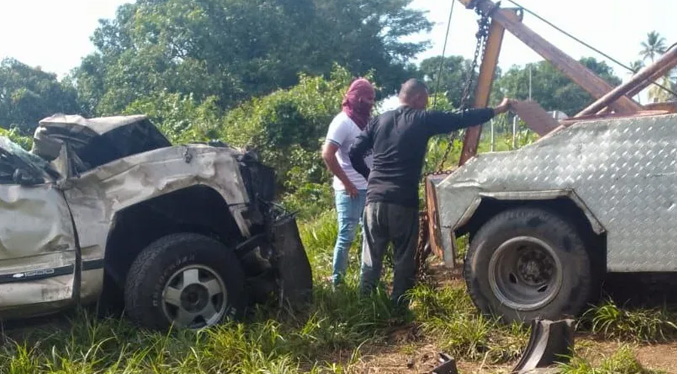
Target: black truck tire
point(528, 263)
point(186, 281)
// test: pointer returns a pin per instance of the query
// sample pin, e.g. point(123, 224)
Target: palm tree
point(654, 45)
point(636, 66)
point(659, 95)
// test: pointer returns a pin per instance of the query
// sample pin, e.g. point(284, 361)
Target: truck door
point(37, 242)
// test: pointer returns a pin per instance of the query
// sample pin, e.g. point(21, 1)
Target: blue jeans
point(349, 211)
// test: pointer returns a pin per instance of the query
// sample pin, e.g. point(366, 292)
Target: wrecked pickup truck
point(107, 210)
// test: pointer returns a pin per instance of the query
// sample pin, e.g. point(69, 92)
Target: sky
point(54, 34)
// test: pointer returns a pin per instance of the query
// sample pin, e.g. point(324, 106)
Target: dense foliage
point(287, 128)
point(29, 94)
point(236, 49)
point(550, 88)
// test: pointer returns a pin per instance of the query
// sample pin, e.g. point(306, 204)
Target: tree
point(636, 66)
point(24, 141)
point(28, 95)
point(237, 49)
point(452, 78)
point(287, 128)
point(550, 88)
point(181, 118)
point(654, 45)
point(658, 94)
point(449, 79)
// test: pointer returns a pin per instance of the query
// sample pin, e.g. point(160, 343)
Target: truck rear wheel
point(528, 263)
point(185, 280)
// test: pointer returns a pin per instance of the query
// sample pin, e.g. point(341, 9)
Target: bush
point(13, 134)
point(181, 118)
point(288, 127)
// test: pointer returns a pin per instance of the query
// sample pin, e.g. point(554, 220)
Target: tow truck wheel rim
point(194, 297)
point(525, 273)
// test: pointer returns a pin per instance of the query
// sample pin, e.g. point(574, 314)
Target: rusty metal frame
point(636, 84)
point(608, 99)
point(581, 75)
point(485, 80)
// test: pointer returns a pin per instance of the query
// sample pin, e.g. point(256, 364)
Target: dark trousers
point(386, 223)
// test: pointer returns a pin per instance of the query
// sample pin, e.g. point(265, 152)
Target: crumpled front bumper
point(291, 261)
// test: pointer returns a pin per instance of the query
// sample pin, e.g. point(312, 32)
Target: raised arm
point(446, 122)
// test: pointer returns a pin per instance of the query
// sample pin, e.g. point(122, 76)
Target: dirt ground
point(424, 357)
point(406, 356)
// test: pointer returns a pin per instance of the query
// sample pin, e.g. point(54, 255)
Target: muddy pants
point(384, 224)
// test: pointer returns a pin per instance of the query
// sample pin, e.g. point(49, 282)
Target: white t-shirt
point(343, 132)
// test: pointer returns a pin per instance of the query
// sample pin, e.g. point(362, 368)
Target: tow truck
point(595, 194)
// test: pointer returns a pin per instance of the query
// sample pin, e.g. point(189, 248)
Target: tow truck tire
point(528, 263)
point(186, 281)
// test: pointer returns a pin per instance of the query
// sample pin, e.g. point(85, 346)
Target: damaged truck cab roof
point(97, 141)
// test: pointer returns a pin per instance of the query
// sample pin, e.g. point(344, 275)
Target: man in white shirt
point(350, 187)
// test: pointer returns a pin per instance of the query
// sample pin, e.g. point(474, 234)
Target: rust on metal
point(484, 82)
point(647, 82)
point(594, 85)
point(434, 230)
point(637, 83)
point(535, 117)
point(644, 113)
point(670, 106)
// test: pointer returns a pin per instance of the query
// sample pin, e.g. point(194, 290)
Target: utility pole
point(514, 132)
point(492, 135)
point(529, 82)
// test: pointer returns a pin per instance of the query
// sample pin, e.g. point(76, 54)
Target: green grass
point(637, 325)
point(273, 342)
point(623, 361)
point(328, 338)
point(457, 328)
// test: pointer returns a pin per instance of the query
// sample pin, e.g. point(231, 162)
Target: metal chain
point(480, 47)
point(423, 249)
point(450, 147)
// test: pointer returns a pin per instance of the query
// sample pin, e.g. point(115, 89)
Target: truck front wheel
point(528, 263)
point(185, 280)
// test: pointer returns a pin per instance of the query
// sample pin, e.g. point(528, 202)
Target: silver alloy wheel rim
point(194, 297)
point(525, 273)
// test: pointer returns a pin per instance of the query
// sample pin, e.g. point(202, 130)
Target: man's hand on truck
point(504, 106)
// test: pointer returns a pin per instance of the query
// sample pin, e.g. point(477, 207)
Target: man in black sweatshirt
point(398, 140)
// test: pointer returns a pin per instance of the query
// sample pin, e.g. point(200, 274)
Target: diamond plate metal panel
point(624, 170)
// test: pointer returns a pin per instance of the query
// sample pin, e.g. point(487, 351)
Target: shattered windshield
point(36, 163)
